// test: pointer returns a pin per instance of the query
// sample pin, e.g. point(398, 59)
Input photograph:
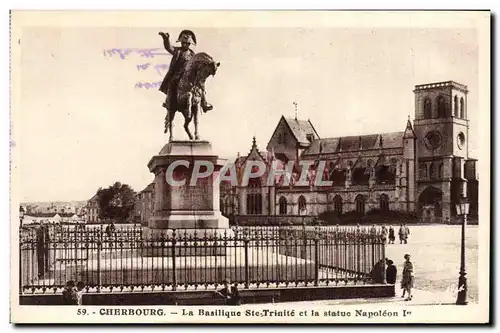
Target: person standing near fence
point(79, 292)
point(230, 293)
point(69, 294)
point(391, 272)
point(378, 271)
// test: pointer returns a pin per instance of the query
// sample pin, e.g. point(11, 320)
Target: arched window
point(254, 203)
point(441, 107)
point(283, 206)
point(427, 108)
point(337, 204)
point(385, 175)
point(440, 171)
point(360, 176)
point(360, 204)
point(384, 203)
point(432, 171)
point(338, 177)
point(302, 205)
point(222, 207)
point(455, 106)
point(462, 112)
point(423, 171)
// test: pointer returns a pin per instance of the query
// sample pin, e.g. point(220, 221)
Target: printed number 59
point(81, 312)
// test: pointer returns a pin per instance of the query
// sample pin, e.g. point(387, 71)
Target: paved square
point(435, 253)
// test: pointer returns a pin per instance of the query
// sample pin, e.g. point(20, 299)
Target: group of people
point(403, 233)
point(72, 294)
point(391, 272)
point(110, 229)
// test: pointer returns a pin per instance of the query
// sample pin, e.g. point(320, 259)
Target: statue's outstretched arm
point(166, 42)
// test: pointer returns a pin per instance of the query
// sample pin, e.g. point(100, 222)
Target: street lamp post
point(462, 210)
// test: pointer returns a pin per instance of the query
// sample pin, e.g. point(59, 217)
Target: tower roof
point(451, 84)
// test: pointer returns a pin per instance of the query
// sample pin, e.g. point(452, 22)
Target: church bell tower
point(442, 129)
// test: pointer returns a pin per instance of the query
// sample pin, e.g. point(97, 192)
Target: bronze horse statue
point(189, 92)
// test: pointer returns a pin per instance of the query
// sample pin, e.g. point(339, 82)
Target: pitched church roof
point(355, 143)
point(301, 129)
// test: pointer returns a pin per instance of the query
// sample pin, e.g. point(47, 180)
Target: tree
point(115, 202)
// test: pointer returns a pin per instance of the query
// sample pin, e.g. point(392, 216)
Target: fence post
point(20, 262)
point(357, 239)
point(174, 276)
point(247, 272)
point(99, 244)
point(383, 257)
point(373, 251)
point(316, 260)
point(75, 231)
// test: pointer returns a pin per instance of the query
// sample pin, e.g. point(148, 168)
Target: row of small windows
point(432, 170)
point(458, 108)
point(361, 176)
point(360, 202)
point(283, 205)
point(254, 203)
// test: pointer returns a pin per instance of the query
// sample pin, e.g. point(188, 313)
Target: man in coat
point(180, 58)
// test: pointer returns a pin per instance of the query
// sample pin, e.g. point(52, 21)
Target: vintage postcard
point(250, 167)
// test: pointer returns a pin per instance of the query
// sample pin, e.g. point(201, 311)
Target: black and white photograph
point(250, 167)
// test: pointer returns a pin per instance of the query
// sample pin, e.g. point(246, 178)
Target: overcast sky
point(85, 124)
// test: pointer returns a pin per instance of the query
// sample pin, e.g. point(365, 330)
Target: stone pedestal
point(191, 208)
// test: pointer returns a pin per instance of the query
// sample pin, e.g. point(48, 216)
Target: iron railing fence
point(124, 260)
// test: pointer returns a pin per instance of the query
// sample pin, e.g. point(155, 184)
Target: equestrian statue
point(184, 83)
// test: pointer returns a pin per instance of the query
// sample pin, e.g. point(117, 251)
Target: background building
point(143, 206)
point(92, 209)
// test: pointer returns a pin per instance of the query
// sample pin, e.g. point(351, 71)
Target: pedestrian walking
point(407, 230)
point(384, 234)
point(407, 278)
point(402, 234)
point(392, 236)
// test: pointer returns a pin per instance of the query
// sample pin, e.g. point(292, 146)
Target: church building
point(422, 170)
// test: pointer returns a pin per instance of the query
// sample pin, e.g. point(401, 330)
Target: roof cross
point(295, 104)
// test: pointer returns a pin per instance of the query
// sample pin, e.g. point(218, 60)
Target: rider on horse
point(181, 56)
